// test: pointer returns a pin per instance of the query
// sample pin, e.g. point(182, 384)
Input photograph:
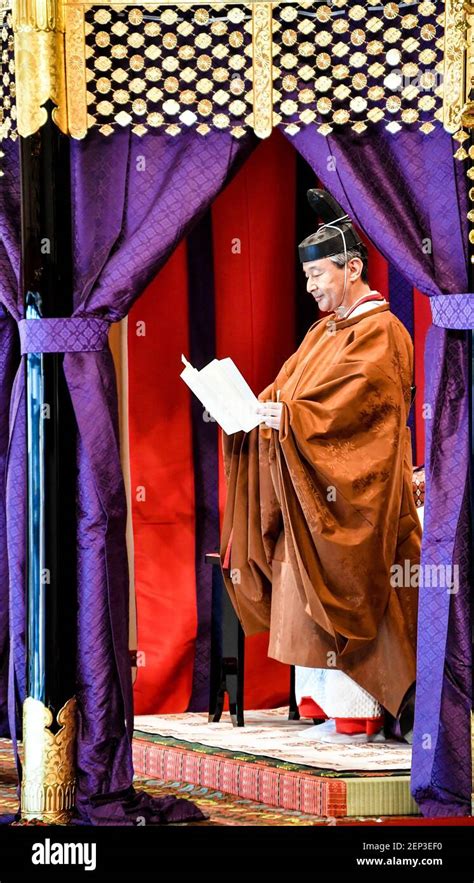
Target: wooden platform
point(173, 747)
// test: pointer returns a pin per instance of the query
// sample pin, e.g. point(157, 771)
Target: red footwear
point(309, 708)
point(350, 726)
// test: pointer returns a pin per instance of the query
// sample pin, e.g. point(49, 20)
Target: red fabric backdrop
point(254, 245)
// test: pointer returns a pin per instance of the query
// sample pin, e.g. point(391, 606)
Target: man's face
point(325, 283)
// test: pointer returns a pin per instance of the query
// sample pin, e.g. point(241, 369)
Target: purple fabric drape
point(202, 349)
point(408, 194)
point(9, 359)
point(133, 200)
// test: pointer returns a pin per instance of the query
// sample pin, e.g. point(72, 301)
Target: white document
point(224, 393)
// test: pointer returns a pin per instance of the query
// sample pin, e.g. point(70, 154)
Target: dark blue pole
point(48, 784)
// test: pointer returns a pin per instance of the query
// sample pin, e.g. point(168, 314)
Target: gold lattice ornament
point(235, 66)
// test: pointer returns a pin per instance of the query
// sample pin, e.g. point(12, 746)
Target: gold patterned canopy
point(234, 66)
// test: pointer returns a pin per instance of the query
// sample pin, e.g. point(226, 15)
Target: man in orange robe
point(320, 504)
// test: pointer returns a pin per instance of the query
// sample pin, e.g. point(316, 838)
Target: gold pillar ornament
point(76, 84)
point(468, 109)
point(457, 87)
point(453, 66)
point(262, 53)
point(38, 27)
point(48, 786)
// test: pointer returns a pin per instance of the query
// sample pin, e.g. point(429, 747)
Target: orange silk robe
point(318, 512)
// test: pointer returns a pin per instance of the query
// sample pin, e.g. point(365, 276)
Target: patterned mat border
point(274, 784)
point(263, 760)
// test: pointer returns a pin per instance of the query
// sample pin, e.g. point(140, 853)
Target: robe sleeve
point(342, 454)
point(248, 578)
point(252, 517)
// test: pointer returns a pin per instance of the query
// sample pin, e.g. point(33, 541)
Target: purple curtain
point(9, 360)
point(133, 200)
point(408, 193)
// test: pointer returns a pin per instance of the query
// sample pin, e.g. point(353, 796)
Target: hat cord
point(333, 226)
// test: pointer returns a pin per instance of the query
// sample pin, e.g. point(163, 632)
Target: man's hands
point(272, 413)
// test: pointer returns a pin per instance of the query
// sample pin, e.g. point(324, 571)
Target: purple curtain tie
point(453, 310)
point(63, 335)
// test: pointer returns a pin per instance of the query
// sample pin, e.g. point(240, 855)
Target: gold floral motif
point(203, 41)
point(237, 86)
point(375, 47)
point(428, 32)
point(341, 116)
point(342, 92)
point(357, 12)
point(324, 105)
point(102, 16)
point(323, 60)
point(221, 120)
point(152, 29)
point(410, 115)
point(136, 85)
point(201, 16)
point(204, 62)
point(237, 108)
point(323, 14)
point(289, 37)
point(155, 119)
point(169, 64)
point(102, 63)
point(169, 40)
point(169, 16)
point(306, 49)
point(236, 39)
point(358, 37)
point(116, 52)
point(102, 39)
point(153, 74)
point(391, 10)
point(359, 81)
point(187, 97)
point(219, 28)
point(205, 107)
point(155, 94)
point(136, 62)
point(171, 84)
point(220, 75)
point(119, 29)
point(139, 106)
point(186, 52)
point(135, 16)
point(409, 22)
point(136, 41)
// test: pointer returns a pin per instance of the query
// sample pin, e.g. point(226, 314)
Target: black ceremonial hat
point(335, 230)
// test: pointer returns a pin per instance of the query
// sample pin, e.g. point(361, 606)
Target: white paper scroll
point(224, 393)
